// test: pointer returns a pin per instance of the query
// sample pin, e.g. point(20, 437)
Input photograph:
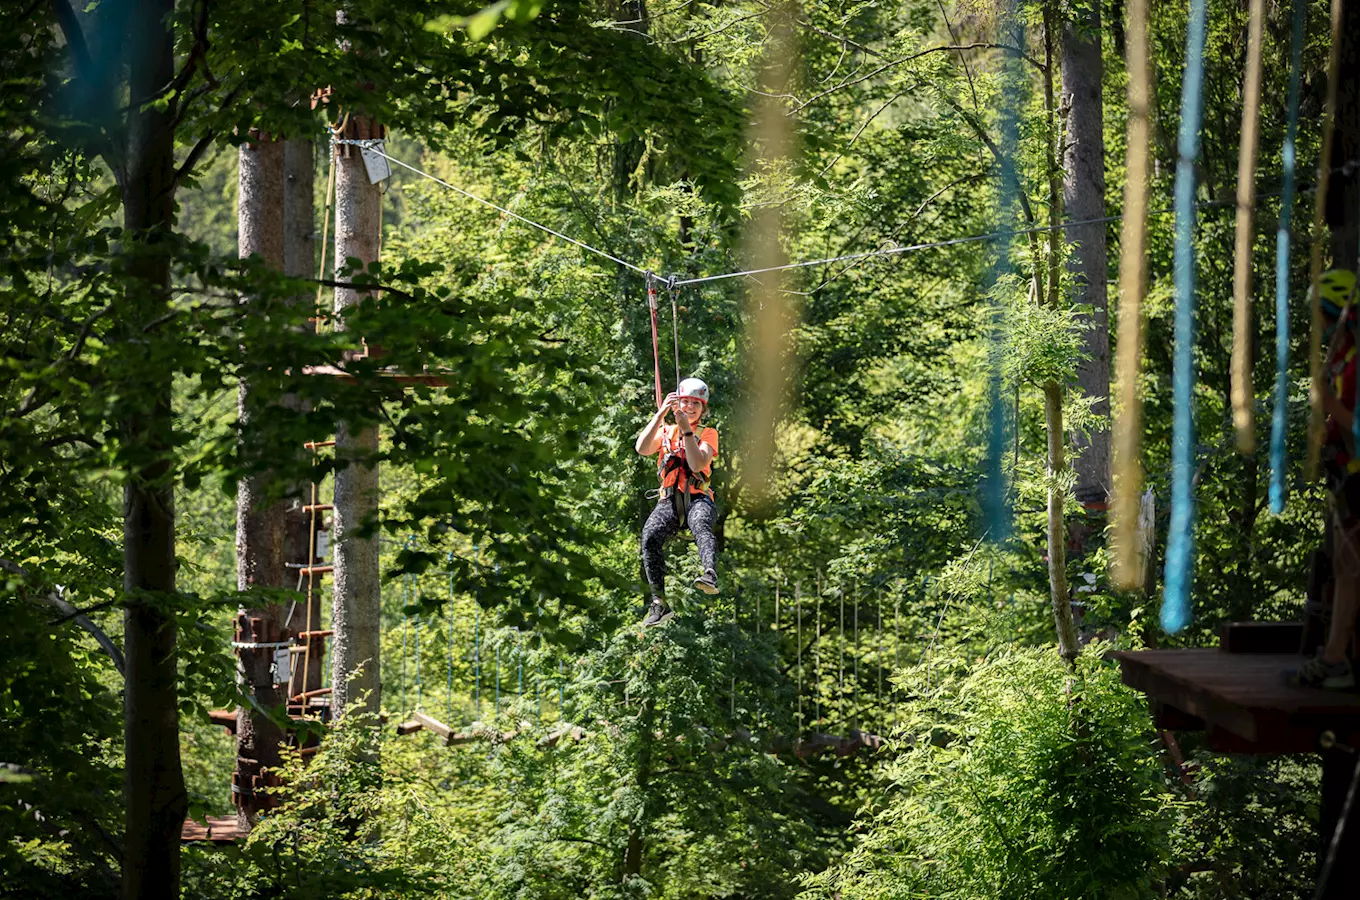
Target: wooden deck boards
point(220, 829)
point(1242, 698)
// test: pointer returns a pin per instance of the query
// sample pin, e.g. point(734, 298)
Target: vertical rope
point(736, 629)
point(325, 234)
point(656, 343)
point(1180, 549)
point(1279, 420)
point(417, 643)
point(840, 665)
point(311, 586)
point(405, 648)
point(897, 634)
point(1128, 470)
point(449, 689)
point(476, 637)
point(878, 649)
point(538, 674)
point(854, 685)
point(1315, 417)
point(675, 331)
point(1244, 400)
point(798, 647)
point(817, 653)
point(419, 700)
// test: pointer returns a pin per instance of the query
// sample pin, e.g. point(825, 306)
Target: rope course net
point(837, 645)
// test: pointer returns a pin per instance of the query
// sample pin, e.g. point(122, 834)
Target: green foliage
point(519, 483)
point(59, 804)
point(1018, 778)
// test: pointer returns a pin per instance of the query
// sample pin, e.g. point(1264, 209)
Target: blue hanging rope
point(995, 501)
point(1180, 548)
point(1280, 415)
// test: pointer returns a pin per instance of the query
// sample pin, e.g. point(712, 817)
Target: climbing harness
point(677, 480)
point(1280, 414)
point(1180, 550)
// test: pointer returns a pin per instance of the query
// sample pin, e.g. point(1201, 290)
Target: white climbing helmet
point(693, 387)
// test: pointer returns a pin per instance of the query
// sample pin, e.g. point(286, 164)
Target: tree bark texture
point(1084, 199)
point(299, 261)
point(155, 797)
point(355, 613)
point(259, 510)
point(1057, 546)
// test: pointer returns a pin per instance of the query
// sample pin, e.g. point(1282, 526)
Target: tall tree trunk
point(299, 261)
point(355, 614)
point(259, 511)
point(1057, 549)
point(1053, 391)
point(1084, 199)
point(1343, 188)
point(156, 801)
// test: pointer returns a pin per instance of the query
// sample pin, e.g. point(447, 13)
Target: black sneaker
point(707, 582)
point(1316, 672)
point(658, 613)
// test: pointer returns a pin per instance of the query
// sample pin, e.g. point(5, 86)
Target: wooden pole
point(357, 597)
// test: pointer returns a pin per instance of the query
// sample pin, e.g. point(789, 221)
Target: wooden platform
point(219, 829)
point(1241, 699)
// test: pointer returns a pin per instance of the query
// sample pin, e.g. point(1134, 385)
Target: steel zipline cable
point(374, 146)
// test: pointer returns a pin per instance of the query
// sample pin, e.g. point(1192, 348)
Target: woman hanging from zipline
point(684, 465)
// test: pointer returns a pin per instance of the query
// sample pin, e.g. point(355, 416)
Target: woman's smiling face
point(692, 407)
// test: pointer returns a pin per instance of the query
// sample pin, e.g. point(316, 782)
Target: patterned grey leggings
point(664, 523)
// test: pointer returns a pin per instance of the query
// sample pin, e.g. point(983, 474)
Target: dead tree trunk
point(155, 797)
point(259, 510)
point(355, 614)
point(1084, 200)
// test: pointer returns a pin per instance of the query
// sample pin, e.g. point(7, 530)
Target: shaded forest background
point(861, 594)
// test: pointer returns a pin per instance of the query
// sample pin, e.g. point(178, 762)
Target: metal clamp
point(260, 645)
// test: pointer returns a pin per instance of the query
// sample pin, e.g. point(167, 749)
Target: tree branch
point(841, 39)
point(75, 39)
point(71, 613)
point(979, 45)
point(998, 156)
point(363, 288)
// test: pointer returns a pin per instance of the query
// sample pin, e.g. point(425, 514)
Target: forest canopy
point(330, 333)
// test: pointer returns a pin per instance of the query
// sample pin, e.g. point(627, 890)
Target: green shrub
point(1018, 779)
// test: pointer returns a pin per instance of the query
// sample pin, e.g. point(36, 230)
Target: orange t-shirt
point(672, 442)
